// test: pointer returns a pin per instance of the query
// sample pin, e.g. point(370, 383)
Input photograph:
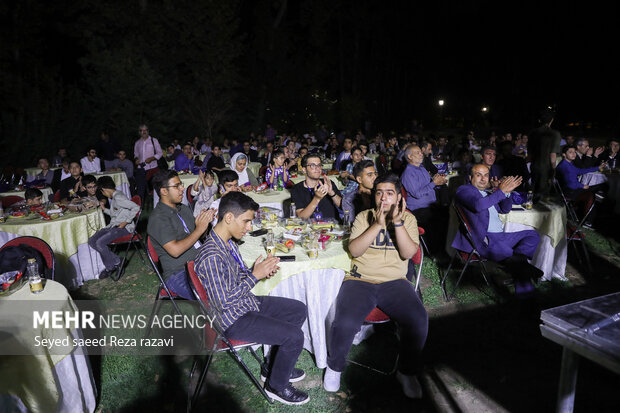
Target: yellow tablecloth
point(63, 234)
point(334, 257)
point(47, 191)
point(39, 376)
point(31, 173)
point(119, 178)
point(548, 219)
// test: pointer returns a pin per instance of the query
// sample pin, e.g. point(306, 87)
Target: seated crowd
point(386, 200)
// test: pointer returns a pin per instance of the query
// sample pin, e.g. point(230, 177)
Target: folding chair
point(465, 257)
point(163, 293)
point(134, 239)
point(190, 198)
point(376, 316)
point(216, 342)
point(41, 246)
point(574, 226)
point(9, 200)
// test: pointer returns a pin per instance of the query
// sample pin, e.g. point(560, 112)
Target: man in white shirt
point(90, 163)
point(146, 153)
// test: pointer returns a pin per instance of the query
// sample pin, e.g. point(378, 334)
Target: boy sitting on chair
point(122, 211)
point(383, 240)
point(242, 315)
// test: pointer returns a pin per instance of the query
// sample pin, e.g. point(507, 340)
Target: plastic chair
point(376, 316)
point(465, 257)
point(9, 200)
point(574, 225)
point(216, 342)
point(163, 293)
point(41, 246)
point(133, 239)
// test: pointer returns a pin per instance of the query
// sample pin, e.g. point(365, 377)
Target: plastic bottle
point(34, 279)
point(293, 211)
point(280, 183)
point(530, 200)
point(346, 221)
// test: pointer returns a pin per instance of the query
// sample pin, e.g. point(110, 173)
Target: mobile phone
point(287, 257)
point(258, 232)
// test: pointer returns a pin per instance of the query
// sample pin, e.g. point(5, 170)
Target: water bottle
point(293, 211)
point(34, 279)
point(530, 200)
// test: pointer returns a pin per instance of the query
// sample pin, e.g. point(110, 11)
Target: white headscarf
point(243, 175)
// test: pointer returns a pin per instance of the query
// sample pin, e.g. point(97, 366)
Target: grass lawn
point(482, 350)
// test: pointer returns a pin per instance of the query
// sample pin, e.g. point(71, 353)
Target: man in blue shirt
point(185, 161)
point(421, 198)
point(243, 316)
point(347, 144)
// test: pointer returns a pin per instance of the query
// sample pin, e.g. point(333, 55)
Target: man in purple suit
point(481, 209)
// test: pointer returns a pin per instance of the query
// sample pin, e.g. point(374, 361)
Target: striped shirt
point(227, 282)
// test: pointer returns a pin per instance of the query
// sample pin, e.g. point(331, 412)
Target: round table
point(44, 380)
point(120, 180)
point(32, 173)
point(279, 200)
point(316, 283)
point(47, 191)
point(549, 221)
point(68, 237)
point(593, 178)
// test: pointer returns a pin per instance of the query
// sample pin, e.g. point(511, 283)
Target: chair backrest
point(56, 196)
point(572, 214)
point(464, 225)
point(151, 253)
point(212, 333)
point(9, 200)
point(190, 198)
point(41, 246)
point(137, 200)
point(263, 171)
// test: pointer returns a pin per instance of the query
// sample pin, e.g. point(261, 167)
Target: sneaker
point(296, 374)
point(331, 380)
point(559, 277)
point(104, 274)
point(411, 385)
point(288, 395)
point(120, 268)
point(588, 225)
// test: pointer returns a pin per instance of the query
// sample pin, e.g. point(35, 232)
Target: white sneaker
point(331, 380)
point(411, 385)
point(559, 277)
point(365, 331)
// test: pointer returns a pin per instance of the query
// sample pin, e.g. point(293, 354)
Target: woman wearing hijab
point(239, 164)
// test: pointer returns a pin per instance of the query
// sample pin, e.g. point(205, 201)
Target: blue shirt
point(495, 224)
point(568, 173)
point(226, 279)
point(419, 186)
point(343, 156)
point(352, 185)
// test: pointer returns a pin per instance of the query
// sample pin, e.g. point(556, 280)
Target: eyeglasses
point(314, 165)
point(177, 186)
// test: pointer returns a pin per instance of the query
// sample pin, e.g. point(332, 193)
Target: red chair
point(133, 239)
point(163, 293)
point(262, 171)
point(190, 198)
point(9, 200)
point(465, 257)
point(56, 196)
point(216, 342)
point(41, 246)
point(376, 316)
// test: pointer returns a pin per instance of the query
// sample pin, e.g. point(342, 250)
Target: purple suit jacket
point(475, 207)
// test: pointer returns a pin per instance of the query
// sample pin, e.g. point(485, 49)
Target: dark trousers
point(142, 180)
point(277, 323)
point(398, 300)
point(433, 220)
point(177, 283)
point(100, 240)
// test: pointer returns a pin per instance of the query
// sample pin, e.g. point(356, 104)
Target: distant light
point(485, 109)
point(441, 102)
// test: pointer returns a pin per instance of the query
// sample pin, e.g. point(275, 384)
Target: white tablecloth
point(47, 191)
point(39, 383)
point(120, 180)
point(593, 178)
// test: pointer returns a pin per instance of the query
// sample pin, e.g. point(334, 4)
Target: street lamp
point(485, 109)
point(440, 103)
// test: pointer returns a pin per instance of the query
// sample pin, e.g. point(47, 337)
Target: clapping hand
point(398, 210)
point(265, 268)
point(439, 179)
point(327, 183)
point(495, 182)
point(510, 183)
point(599, 151)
